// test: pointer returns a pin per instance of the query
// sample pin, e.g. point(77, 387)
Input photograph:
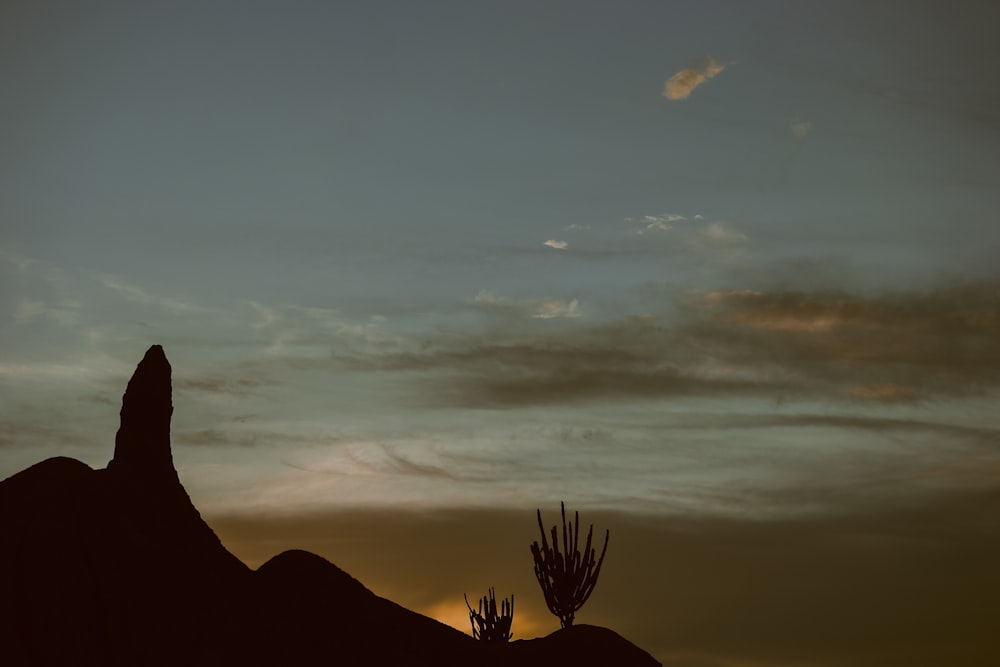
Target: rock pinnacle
point(142, 445)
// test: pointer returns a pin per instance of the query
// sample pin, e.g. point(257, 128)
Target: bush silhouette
point(567, 579)
point(487, 624)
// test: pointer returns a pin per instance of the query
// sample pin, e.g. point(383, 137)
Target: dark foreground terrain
point(116, 567)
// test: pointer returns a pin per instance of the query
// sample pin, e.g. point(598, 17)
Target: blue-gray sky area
point(721, 274)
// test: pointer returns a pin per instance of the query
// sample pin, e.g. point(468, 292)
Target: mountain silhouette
point(116, 567)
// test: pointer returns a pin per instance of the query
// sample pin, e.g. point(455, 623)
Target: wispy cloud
point(890, 347)
point(655, 223)
point(46, 292)
point(800, 129)
point(268, 316)
point(27, 310)
point(211, 437)
point(835, 346)
point(92, 371)
point(557, 245)
point(719, 234)
point(65, 313)
point(694, 238)
point(35, 434)
point(550, 308)
point(543, 309)
point(627, 359)
point(953, 435)
point(15, 259)
point(682, 84)
point(140, 295)
point(237, 386)
point(292, 330)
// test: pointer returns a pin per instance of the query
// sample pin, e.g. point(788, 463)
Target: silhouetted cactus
point(567, 580)
point(487, 624)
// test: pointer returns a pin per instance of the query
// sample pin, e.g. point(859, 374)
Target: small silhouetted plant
point(567, 579)
point(487, 624)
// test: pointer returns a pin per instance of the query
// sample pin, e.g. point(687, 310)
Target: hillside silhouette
point(116, 567)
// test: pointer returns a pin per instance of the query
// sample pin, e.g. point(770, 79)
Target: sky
point(722, 276)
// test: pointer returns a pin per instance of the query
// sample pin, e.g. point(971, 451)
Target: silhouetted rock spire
point(142, 446)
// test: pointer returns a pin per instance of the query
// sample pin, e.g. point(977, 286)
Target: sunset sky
point(723, 276)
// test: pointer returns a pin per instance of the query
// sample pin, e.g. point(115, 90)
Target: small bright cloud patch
point(682, 84)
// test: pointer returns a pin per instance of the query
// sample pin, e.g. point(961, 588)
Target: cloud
point(800, 129)
point(543, 309)
point(697, 232)
point(27, 310)
point(550, 308)
point(296, 331)
point(886, 393)
point(93, 371)
point(16, 260)
point(838, 346)
point(66, 314)
point(140, 295)
point(35, 435)
point(576, 228)
point(653, 223)
point(720, 235)
point(235, 386)
point(626, 359)
point(681, 84)
point(913, 431)
point(268, 316)
point(557, 245)
point(40, 292)
point(895, 346)
point(213, 437)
